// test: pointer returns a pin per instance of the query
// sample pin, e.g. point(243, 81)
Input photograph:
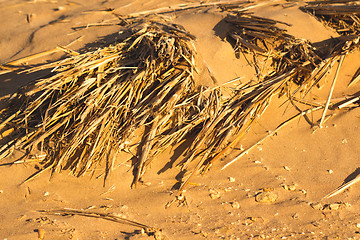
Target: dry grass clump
point(87, 110)
point(142, 91)
point(343, 16)
point(256, 34)
point(271, 50)
point(275, 52)
point(284, 64)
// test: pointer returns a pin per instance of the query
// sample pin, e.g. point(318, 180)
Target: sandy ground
point(300, 166)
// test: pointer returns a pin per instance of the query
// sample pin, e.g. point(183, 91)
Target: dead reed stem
point(342, 188)
point(331, 90)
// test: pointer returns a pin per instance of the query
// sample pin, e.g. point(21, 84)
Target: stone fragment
point(317, 206)
point(235, 205)
point(334, 206)
point(286, 168)
point(266, 197)
point(290, 187)
point(231, 179)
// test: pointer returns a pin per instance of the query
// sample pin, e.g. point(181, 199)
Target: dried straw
point(86, 112)
point(93, 104)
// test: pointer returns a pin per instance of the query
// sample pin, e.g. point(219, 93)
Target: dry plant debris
point(92, 105)
point(150, 231)
point(295, 64)
point(342, 16)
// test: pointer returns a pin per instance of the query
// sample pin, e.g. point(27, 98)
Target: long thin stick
point(343, 187)
point(331, 90)
point(271, 134)
point(105, 216)
point(348, 102)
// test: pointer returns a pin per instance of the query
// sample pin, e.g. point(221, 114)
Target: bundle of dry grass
point(87, 110)
point(294, 66)
point(275, 52)
point(142, 91)
point(256, 34)
point(90, 107)
point(342, 15)
point(291, 60)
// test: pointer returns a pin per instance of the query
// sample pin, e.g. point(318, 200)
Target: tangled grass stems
point(87, 111)
point(93, 104)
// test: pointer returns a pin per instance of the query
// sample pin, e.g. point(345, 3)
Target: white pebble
point(330, 171)
point(231, 179)
point(235, 205)
point(286, 168)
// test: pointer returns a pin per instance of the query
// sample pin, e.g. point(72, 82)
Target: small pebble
point(358, 225)
point(315, 224)
point(1, 191)
point(286, 168)
point(330, 171)
point(303, 191)
point(235, 205)
point(334, 206)
point(257, 162)
point(317, 206)
point(60, 8)
point(344, 141)
point(215, 195)
point(204, 234)
point(41, 233)
point(46, 194)
point(290, 187)
point(266, 197)
point(148, 184)
point(231, 179)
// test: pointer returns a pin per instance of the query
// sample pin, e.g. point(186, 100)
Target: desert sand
point(298, 165)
